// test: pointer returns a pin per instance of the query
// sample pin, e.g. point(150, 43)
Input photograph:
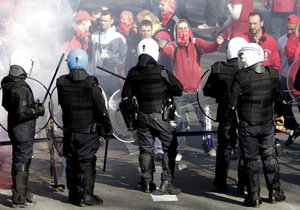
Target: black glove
point(227, 130)
point(230, 115)
point(39, 110)
point(107, 131)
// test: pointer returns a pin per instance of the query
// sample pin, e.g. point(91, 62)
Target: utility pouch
point(94, 128)
point(168, 112)
point(278, 148)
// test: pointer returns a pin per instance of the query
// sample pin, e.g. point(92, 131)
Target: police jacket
point(81, 101)
point(219, 83)
point(257, 95)
point(152, 85)
point(18, 100)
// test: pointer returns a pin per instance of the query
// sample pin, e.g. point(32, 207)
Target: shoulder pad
point(18, 84)
point(273, 71)
point(90, 81)
point(215, 68)
point(60, 80)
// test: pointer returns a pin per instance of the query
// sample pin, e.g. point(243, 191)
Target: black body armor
point(148, 87)
point(78, 96)
point(259, 91)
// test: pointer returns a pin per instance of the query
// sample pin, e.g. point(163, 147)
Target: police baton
point(239, 131)
point(106, 144)
point(105, 155)
point(103, 69)
point(48, 90)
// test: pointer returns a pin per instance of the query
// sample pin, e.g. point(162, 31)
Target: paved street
point(119, 189)
point(118, 186)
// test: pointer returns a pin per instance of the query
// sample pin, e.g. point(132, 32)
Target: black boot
point(168, 187)
point(73, 197)
point(220, 184)
point(148, 186)
point(276, 195)
point(20, 173)
point(86, 180)
point(20, 201)
point(89, 200)
point(253, 200)
point(71, 175)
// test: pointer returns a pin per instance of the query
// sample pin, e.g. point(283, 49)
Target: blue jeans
point(182, 104)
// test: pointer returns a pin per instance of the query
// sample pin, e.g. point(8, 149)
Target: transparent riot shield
point(295, 94)
point(120, 130)
point(39, 92)
point(207, 105)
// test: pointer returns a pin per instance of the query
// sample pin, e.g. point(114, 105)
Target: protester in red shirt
point(187, 67)
point(292, 47)
point(237, 23)
point(126, 22)
point(185, 53)
point(292, 51)
point(257, 34)
point(81, 27)
point(280, 11)
point(169, 15)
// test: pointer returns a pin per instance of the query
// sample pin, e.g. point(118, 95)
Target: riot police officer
point(22, 110)
point(153, 85)
point(218, 86)
point(256, 92)
point(83, 109)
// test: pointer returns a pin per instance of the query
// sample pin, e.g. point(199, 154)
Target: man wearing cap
point(292, 52)
point(169, 16)
point(280, 10)
point(292, 48)
point(291, 24)
point(126, 22)
point(81, 26)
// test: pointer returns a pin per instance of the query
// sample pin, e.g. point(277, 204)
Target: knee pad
point(268, 154)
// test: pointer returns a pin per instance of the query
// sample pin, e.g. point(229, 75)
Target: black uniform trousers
point(258, 141)
point(79, 150)
point(224, 149)
point(22, 137)
point(151, 126)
